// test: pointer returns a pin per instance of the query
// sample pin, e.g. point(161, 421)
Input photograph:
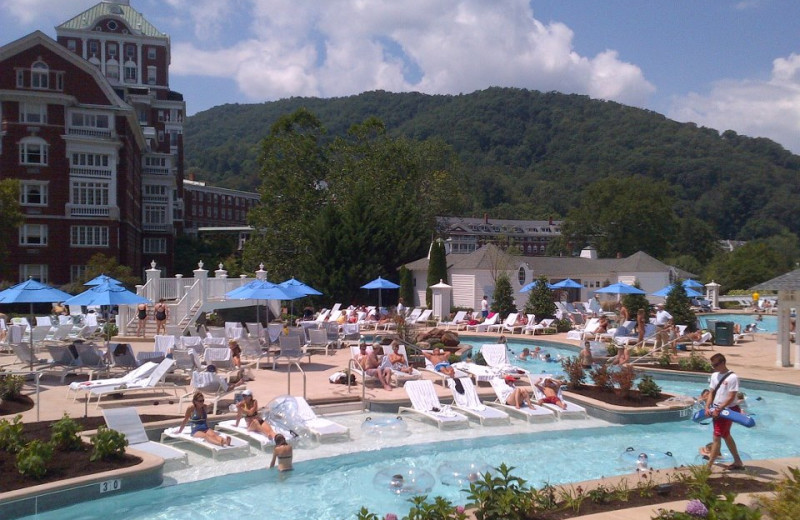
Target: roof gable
point(120, 11)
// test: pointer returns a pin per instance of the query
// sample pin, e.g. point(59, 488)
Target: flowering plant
point(696, 508)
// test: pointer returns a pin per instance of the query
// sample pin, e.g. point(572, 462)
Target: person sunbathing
point(623, 356)
point(248, 408)
point(372, 366)
point(550, 387)
point(398, 360)
point(440, 361)
point(197, 415)
point(518, 396)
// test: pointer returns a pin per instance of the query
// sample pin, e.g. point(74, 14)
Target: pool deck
point(749, 359)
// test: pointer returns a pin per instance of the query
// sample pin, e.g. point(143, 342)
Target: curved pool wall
point(338, 486)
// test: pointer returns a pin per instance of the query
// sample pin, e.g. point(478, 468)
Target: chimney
point(485, 218)
point(551, 220)
point(619, 255)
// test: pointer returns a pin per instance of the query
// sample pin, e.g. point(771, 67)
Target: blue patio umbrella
point(99, 279)
point(263, 290)
point(569, 283)
point(692, 284)
point(664, 292)
point(307, 290)
point(620, 288)
point(30, 291)
point(380, 284)
point(107, 294)
point(529, 286)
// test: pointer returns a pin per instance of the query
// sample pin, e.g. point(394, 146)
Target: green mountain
point(528, 154)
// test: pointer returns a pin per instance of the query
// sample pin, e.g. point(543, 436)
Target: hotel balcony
point(83, 171)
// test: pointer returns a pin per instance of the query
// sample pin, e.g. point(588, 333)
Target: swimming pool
point(768, 323)
point(338, 486)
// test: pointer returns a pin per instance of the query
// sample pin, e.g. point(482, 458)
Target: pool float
point(461, 474)
point(645, 458)
point(739, 418)
point(404, 480)
point(283, 412)
point(384, 426)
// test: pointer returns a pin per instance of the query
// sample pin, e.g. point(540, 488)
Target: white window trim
point(43, 193)
point(89, 236)
point(40, 109)
point(26, 233)
point(24, 153)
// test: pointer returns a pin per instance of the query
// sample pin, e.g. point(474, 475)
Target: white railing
point(182, 309)
point(101, 173)
point(88, 211)
point(91, 132)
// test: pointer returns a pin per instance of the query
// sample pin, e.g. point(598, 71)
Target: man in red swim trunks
point(549, 387)
point(724, 385)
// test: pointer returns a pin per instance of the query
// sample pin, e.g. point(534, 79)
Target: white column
point(179, 286)
point(783, 345)
point(154, 282)
point(201, 275)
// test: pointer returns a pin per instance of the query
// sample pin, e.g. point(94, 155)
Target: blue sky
point(726, 64)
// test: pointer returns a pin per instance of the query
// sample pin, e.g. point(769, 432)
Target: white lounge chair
point(588, 330)
point(546, 326)
point(359, 370)
point(136, 374)
point(509, 324)
point(573, 411)
point(425, 403)
point(535, 414)
point(291, 349)
point(423, 318)
point(153, 383)
point(237, 444)
point(459, 316)
point(320, 427)
point(496, 357)
point(164, 344)
point(127, 421)
point(483, 327)
point(466, 400)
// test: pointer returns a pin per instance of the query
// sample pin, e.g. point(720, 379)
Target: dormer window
point(112, 25)
point(112, 50)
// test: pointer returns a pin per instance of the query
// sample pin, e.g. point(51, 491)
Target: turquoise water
point(337, 487)
point(767, 325)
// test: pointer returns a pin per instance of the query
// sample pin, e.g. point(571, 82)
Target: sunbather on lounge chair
point(549, 387)
point(398, 360)
point(372, 367)
point(196, 414)
point(440, 361)
point(248, 408)
point(518, 396)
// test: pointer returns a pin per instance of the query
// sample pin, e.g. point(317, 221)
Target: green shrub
point(576, 376)
point(648, 387)
point(11, 439)
point(563, 325)
point(785, 503)
point(108, 444)
point(65, 434)
point(479, 359)
point(33, 458)
point(665, 359)
point(501, 497)
point(11, 386)
point(110, 330)
point(602, 378)
point(611, 350)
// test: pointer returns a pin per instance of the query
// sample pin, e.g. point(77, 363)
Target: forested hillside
point(527, 154)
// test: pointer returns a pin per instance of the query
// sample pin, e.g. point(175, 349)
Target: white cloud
point(756, 108)
point(341, 47)
point(42, 14)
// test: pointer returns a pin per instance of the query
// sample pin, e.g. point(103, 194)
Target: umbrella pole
point(30, 338)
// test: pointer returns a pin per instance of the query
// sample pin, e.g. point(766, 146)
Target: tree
point(503, 299)
point(293, 166)
point(623, 215)
point(437, 269)
point(101, 264)
point(679, 306)
point(634, 302)
point(10, 214)
point(406, 286)
point(746, 266)
point(540, 300)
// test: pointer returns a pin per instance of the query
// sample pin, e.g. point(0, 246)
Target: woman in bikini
point(282, 453)
point(197, 416)
point(248, 408)
point(141, 313)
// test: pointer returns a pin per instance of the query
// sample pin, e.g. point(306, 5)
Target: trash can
point(723, 333)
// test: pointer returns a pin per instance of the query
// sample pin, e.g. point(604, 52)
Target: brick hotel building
point(93, 132)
